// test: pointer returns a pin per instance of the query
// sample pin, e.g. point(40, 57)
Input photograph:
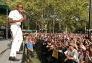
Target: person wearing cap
point(15, 18)
point(71, 54)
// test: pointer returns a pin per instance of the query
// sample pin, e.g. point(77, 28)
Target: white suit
point(16, 32)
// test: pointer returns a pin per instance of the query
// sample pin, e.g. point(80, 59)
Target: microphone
point(25, 15)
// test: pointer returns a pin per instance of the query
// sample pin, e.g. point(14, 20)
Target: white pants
point(17, 39)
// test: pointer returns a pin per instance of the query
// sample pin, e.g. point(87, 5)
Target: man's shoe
point(13, 59)
point(20, 52)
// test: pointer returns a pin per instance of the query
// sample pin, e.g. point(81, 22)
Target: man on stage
point(15, 19)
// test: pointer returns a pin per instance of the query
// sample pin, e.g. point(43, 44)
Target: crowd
point(62, 48)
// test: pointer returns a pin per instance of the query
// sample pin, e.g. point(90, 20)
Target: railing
point(26, 56)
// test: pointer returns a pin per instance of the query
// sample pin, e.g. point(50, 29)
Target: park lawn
point(35, 60)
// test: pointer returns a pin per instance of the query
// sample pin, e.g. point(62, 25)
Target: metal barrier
point(26, 56)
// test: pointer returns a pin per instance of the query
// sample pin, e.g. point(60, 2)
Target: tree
point(71, 10)
point(67, 13)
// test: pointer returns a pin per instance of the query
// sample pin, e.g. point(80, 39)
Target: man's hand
point(22, 11)
point(70, 58)
point(25, 15)
point(21, 20)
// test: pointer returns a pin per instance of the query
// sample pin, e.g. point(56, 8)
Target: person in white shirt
point(71, 54)
point(15, 19)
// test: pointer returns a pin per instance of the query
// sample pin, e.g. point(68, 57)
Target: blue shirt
point(29, 45)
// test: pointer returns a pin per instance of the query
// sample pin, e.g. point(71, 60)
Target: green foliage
point(72, 14)
point(3, 20)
